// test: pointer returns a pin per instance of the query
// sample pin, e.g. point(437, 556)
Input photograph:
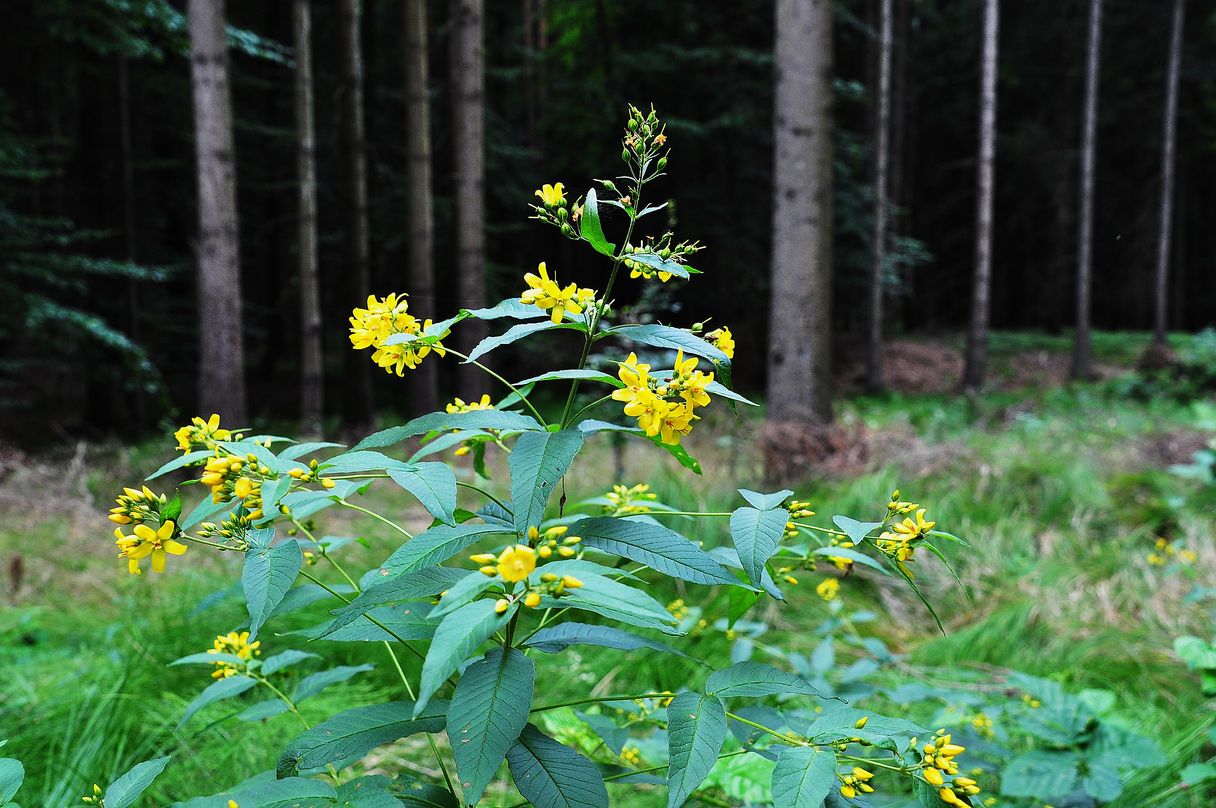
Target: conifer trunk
point(1168, 137)
point(1082, 349)
point(312, 379)
point(882, 125)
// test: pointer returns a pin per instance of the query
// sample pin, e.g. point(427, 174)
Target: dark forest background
point(97, 289)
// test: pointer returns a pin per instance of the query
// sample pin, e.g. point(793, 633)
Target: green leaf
point(665, 336)
point(659, 263)
point(1198, 773)
point(1196, 653)
point(1101, 782)
point(457, 637)
point(551, 775)
point(1040, 775)
point(855, 530)
point(350, 735)
point(941, 534)
point(202, 455)
point(124, 791)
point(204, 510)
point(590, 228)
point(218, 690)
point(851, 555)
point(765, 502)
point(557, 638)
point(206, 658)
point(436, 545)
point(754, 679)
point(12, 775)
point(413, 585)
point(290, 792)
point(757, 534)
point(281, 660)
point(313, 684)
point(358, 460)
point(433, 484)
point(464, 591)
point(369, 791)
point(657, 547)
point(417, 794)
point(614, 600)
point(537, 462)
point(248, 447)
point(269, 572)
point(173, 509)
point(301, 449)
point(839, 722)
point(679, 453)
point(489, 710)
point(503, 420)
point(902, 573)
point(741, 600)
point(511, 308)
point(696, 728)
point(518, 332)
point(803, 777)
point(409, 622)
point(262, 710)
point(566, 375)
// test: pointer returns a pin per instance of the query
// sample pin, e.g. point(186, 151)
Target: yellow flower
point(235, 644)
point(552, 195)
point(459, 405)
point(532, 600)
point(148, 542)
point(386, 318)
point(200, 434)
point(137, 506)
point(544, 293)
point(723, 340)
point(828, 588)
point(516, 563)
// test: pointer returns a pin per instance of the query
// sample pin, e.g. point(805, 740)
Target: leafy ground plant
point(543, 575)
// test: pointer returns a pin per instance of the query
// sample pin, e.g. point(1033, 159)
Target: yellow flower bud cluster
point(899, 541)
point(623, 501)
point(308, 475)
point(856, 781)
point(95, 798)
point(386, 317)
point(233, 527)
point(631, 756)
point(982, 723)
point(200, 434)
point(898, 506)
point(516, 563)
point(235, 644)
point(664, 406)
point(554, 541)
point(545, 293)
point(939, 763)
point(136, 506)
point(828, 588)
point(678, 609)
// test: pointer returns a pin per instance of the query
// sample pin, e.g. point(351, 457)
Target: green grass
point(1059, 491)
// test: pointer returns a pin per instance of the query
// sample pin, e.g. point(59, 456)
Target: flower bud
point(625, 155)
point(632, 125)
point(661, 164)
point(532, 600)
point(501, 605)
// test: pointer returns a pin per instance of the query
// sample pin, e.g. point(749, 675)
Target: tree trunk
point(799, 359)
point(1168, 136)
point(468, 146)
point(138, 398)
point(882, 125)
point(221, 372)
point(312, 378)
point(358, 382)
point(425, 387)
point(977, 334)
point(1082, 349)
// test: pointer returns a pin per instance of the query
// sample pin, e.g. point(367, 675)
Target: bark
point(882, 125)
point(138, 398)
point(1082, 349)
point(468, 145)
point(358, 382)
point(1168, 137)
point(425, 387)
point(977, 334)
point(221, 372)
point(312, 380)
point(799, 359)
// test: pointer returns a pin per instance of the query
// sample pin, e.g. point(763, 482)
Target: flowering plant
point(542, 576)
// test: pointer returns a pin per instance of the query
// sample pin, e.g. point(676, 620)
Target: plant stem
point(513, 388)
point(778, 735)
point(371, 619)
point(590, 407)
point(375, 515)
point(485, 494)
point(291, 706)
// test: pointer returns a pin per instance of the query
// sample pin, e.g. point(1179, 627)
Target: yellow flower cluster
point(982, 723)
point(200, 434)
point(938, 764)
point(95, 798)
point(1163, 551)
point(137, 506)
point(386, 317)
point(896, 505)
point(623, 500)
point(678, 609)
point(230, 477)
point(898, 542)
point(855, 781)
point(148, 542)
point(631, 756)
point(518, 561)
point(544, 293)
point(459, 405)
point(723, 340)
point(828, 588)
point(798, 510)
point(236, 644)
point(552, 196)
point(665, 406)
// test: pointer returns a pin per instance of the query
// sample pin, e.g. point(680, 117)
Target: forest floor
point(1061, 490)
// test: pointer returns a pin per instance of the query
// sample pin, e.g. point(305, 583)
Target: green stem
point(375, 515)
point(778, 735)
point(512, 387)
point(590, 407)
point(291, 706)
point(485, 494)
point(371, 619)
point(197, 540)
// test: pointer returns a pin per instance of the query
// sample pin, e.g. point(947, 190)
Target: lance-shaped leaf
point(124, 791)
point(504, 420)
point(855, 530)
point(537, 462)
point(574, 373)
point(803, 777)
point(696, 728)
point(753, 679)
point(12, 775)
point(433, 484)
point(665, 336)
point(291, 792)
point(851, 555)
point(659, 263)
point(457, 637)
point(765, 502)
point(551, 775)
point(590, 228)
point(301, 449)
point(283, 659)
point(269, 572)
point(218, 690)
point(369, 791)
point(407, 622)
point(516, 333)
point(434, 546)
point(488, 711)
point(557, 638)
point(314, 683)
point(200, 456)
point(464, 591)
point(659, 548)
point(614, 600)
point(756, 534)
point(417, 584)
point(348, 736)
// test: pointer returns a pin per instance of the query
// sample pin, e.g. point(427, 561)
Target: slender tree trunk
point(882, 125)
point(1168, 137)
point(138, 399)
point(977, 334)
point(1082, 349)
point(425, 389)
point(358, 382)
point(312, 375)
point(468, 145)
point(799, 360)
point(221, 372)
